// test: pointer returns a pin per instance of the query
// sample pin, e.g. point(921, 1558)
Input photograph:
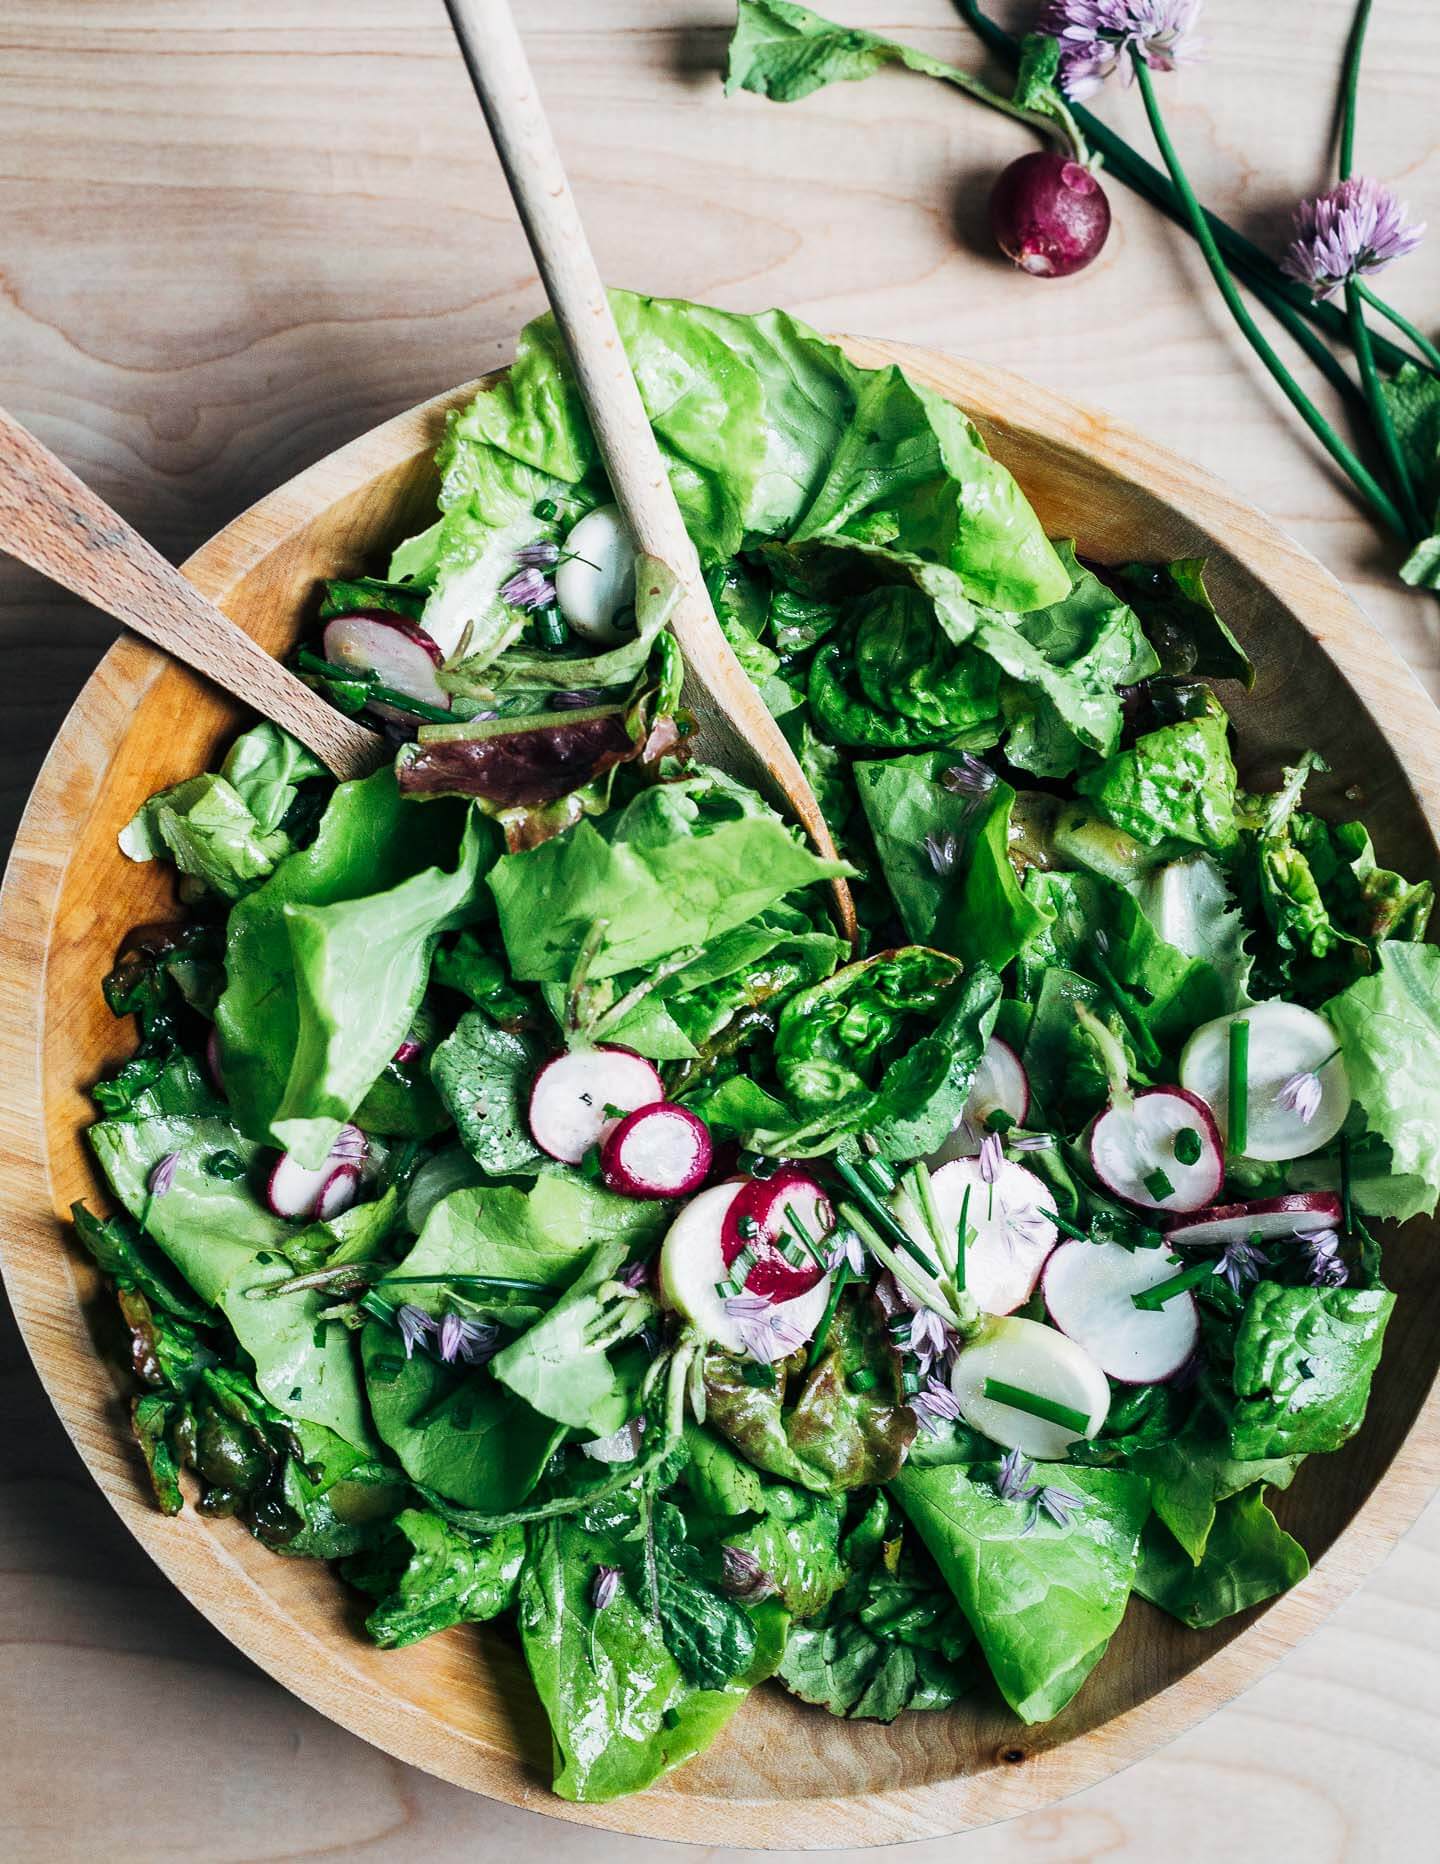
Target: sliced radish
point(595, 577)
point(621, 1446)
point(1089, 1293)
point(294, 1190)
point(1001, 1085)
point(397, 650)
point(659, 1151)
point(1036, 1359)
point(1008, 1223)
point(338, 1192)
point(759, 1220)
point(1133, 1150)
point(692, 1267)
point(212, 1059)
point(408, 1051)
point(579, 1096)
point(1272, 1219)
point(1287, 1044)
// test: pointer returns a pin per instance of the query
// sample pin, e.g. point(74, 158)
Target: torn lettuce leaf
point(1389, 1030)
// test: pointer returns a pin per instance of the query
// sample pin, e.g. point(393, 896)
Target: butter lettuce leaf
point(1249, 1558)
point(1389, 1030)
point(1304, 1359)
point(1174, 786)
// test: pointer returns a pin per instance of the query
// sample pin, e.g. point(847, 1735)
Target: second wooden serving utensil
point(55, 523)
point(737, 730)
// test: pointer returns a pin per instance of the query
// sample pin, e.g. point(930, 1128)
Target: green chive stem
point(922, 1195)
point(883, 1217)
point(1065, 1227)
point(1150, 1300)
point(1053, 1412)
point(1239, 1088)
point(792, 1217)
point(1426, 348)
point(962, 1240)
point(822, 1332)
point(1124, 1001)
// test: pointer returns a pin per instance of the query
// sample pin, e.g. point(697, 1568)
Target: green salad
point(527, 1200)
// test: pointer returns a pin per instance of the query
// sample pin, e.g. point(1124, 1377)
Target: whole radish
point(1049, 214)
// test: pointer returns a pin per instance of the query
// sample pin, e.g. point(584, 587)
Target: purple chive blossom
point(415, 1325)
point(743, 1577)
point(935, 1405)
point(747, 1306)
point(1033, 1142)
point(846, 1247)
point(1324, 1263)
point(1240, 1262)
point(1354, 228)
point(1097, 37)
point(992, 1157)
point(1060, 1506)
point(634, 1276)
point(537, 556)
point(1301, 1095)
point(969, 778)
point(529, 590)
point(1012, 1479)
point(163, 1176)
point(943, 851)
point(468, 1341)
point(604, 1586)
point(928, 1336)
point(771, 1336)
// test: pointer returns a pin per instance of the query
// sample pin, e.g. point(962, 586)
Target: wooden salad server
point(55, 523)
point(736, 726)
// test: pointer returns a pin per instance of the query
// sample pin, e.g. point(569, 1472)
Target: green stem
point(1259, 271)
point(1238, 1089)
point(1034, 1405)
point(1150, 1300)
point(1426, 348)
point(1354, 304)
point(1363, 479)
point(822, 1332)
point(883, 1218)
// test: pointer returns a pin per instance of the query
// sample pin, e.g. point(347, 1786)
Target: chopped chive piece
point(879, 1174)
point(837, 1288)
point(1150, 1300)
point(550, 630)
point(792, 1217)
point(1016, 1396)
point(910, 1382)
point(1065, 1227)
point(546, 509)
point(671, 1718)
point(1188, 1146)
point(883, 1218)
point(744, 1260)
point(1158, 1185)
point(861, 1380)
point(794, 1254)
point(1239, 1097)
point(729, 1290)
point(294, 1393)
point(748, 1228)
point(998, 1120)
point(318, 1337)
point(962, 1240)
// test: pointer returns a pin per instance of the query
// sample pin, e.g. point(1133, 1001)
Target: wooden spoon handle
point(55, 523)
point(729, 706)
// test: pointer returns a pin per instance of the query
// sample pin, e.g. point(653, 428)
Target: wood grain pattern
point(458, 1705)
point(57, 525)
point(235, 237)
point(737, 730)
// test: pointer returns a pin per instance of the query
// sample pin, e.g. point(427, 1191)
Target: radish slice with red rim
point(338, 1192)
point(1090, 1291)
point(1161, 1150)
point(1009, 1225)
point(1000, 1085)
point(294, 1190)
point(578, 1097)
point(778, 1265)
point(659, 1151)
point(1298, 1092)
point(693, 1269)
point(1272, 1219)
point(396, 650)
point(1035, 1359)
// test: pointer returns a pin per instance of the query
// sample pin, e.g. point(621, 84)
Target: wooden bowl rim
point(56, 1338)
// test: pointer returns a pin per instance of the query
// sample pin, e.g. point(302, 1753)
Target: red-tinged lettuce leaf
point(827, 1436)
point(518, 763)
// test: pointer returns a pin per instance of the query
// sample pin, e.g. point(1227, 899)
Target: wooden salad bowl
point(460, 1705)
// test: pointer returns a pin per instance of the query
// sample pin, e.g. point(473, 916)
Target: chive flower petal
point(1355, 228)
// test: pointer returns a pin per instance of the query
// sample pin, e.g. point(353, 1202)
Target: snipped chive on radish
point(1150, 1299)
point(1239, 1085)
point(375, 690)
point(1049, 1410)
point(1089, 1289)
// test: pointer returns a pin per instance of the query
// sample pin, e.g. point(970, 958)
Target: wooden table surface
point(233, 236)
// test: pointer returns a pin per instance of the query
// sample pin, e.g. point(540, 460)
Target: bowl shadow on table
point(473, 1681)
